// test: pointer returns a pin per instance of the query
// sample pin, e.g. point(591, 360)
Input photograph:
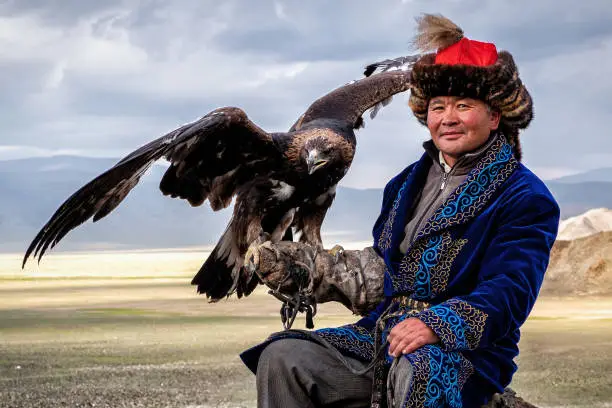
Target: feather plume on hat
point(435, 32)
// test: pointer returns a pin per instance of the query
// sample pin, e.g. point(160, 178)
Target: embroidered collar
point(463, 204)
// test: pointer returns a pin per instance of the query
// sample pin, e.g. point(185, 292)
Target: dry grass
point(127, 330)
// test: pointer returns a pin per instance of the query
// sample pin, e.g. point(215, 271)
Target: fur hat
point(462, 67)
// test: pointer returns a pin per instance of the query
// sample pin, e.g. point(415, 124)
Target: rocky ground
point(580, 267)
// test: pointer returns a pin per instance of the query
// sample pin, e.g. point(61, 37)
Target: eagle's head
point(319, 153)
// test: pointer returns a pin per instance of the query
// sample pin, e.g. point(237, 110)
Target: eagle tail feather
point(218, 277)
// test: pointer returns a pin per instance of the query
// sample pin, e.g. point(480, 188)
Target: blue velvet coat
point(479, 261)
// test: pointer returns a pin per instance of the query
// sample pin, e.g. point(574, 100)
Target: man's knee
point(275, 354)
point(284, 354)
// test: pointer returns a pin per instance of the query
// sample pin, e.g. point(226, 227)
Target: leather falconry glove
point(351, 277)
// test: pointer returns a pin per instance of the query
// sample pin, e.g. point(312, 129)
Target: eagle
point(282, 184)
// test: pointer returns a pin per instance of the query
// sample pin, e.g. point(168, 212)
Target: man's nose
point(449, 117)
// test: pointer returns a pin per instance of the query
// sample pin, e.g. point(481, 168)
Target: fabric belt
point(411, 304)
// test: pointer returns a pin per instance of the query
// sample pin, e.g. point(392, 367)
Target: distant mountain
point(32, 189)
point(579, 193)
point(577, 198)
point(597, 175)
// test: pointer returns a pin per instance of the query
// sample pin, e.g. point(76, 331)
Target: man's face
point(459, 125)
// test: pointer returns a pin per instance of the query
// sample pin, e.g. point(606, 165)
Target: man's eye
point(462, 106)
point(437, 108)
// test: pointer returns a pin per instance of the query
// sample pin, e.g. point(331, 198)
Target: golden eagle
point(283, 182)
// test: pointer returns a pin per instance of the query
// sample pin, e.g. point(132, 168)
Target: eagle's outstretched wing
point(349, 102)
point(209, 159)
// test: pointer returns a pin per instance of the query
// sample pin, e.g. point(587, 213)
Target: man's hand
point(409, 335)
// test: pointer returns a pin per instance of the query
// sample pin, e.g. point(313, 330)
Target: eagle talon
point(262, 238)
point(252, 259)
point(337, 251)
point(271, 247)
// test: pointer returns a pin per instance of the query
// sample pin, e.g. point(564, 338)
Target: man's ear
point(494, 119)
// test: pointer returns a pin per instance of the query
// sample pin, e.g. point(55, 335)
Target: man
point(461, 245)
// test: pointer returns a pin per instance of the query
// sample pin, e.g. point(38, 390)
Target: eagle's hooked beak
point(314, 162)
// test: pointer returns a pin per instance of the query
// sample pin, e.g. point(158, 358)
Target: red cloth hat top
point(468, 52)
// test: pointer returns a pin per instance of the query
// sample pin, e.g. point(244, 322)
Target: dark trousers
point(299, 373)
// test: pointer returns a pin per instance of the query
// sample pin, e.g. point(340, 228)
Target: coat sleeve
point(510, 278)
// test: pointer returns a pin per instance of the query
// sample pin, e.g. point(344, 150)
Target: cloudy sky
point(100, 78)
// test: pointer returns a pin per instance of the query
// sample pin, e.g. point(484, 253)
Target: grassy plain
point(125, 329)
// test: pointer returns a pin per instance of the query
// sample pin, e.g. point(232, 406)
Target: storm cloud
point(101, 78)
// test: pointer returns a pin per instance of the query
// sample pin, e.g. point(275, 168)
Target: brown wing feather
point(350, 101)
point(201, 153)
